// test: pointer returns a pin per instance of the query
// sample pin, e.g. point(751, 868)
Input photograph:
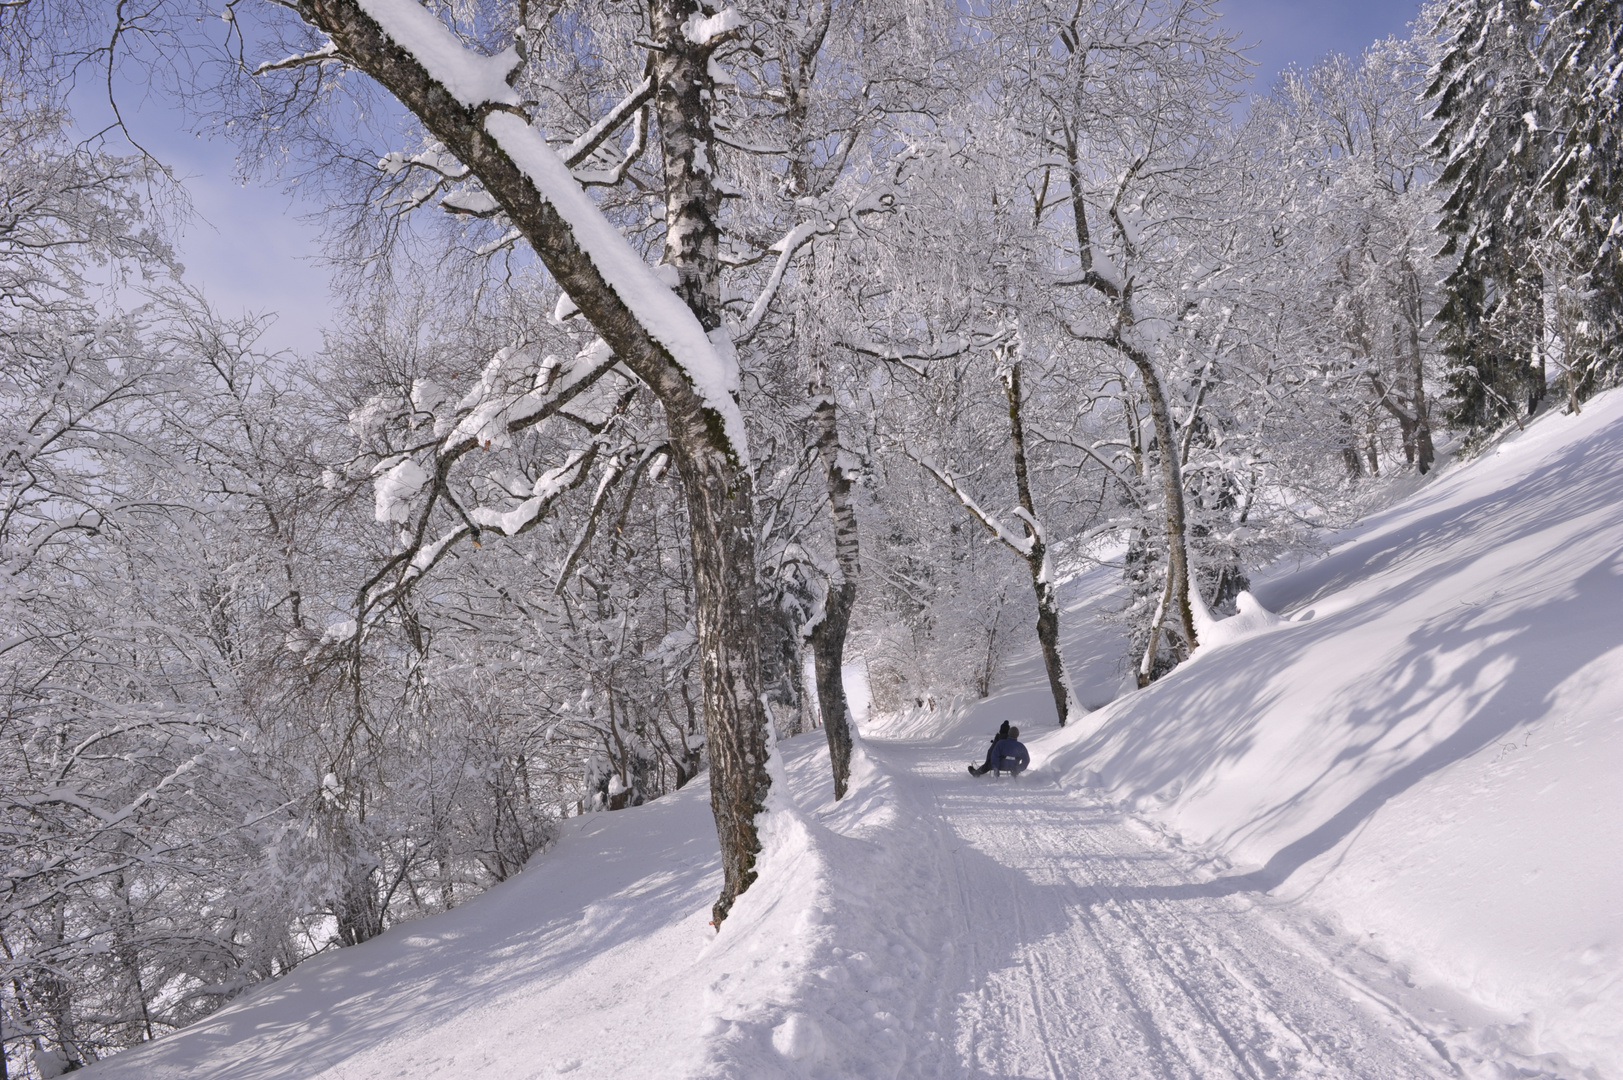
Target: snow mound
point(1249, 619)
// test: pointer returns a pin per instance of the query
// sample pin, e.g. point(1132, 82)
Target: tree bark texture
point(716, 486)
point(828, 636)
point(1172, 490)
point(1042, 578)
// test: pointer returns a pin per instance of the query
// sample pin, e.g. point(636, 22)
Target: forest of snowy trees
point(688, 350)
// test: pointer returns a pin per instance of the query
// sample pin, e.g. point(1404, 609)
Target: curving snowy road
point(1088, 946)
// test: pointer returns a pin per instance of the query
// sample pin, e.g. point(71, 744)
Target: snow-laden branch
point(1125, 482)
point(1022, 545)
point(473, 80)
point(790, 244)
point(661, 314)
point(635, 310)
point(590, 139)
point(326, 53)
point(611, 177)
point(787, 248)
point(625, 461)
point(901, 355)
point(483, 417)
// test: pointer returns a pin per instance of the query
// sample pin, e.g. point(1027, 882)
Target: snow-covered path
point(1089, 947)
point(1419, 766)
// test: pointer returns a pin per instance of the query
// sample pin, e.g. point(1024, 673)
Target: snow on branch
point(789, 246)
point(713, 373)
point(472, 79)
point(548, 487)
point(894, 354)
point(1111, 470)
point(624, 461)
point(484, 416)
point(792, 242)
point(473, 202)
point(479, 83)
point(327, 52)
point(1022, 545)
point(590, 139)
point(611, 177)
point(704, 29)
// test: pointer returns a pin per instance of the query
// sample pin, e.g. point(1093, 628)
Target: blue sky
point(252, 249)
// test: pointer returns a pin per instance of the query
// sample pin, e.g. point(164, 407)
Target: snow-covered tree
point(1345, 213)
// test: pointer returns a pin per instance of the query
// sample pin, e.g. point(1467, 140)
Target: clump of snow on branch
point(396, 487)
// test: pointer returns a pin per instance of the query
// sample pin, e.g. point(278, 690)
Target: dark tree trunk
point(722, 530)
point(715, 483)
point(1414, 319)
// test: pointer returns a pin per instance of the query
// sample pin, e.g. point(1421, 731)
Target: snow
point(342, 630)
point(1249, 619)
point(472, 79)
point(1374, 835)
point(702, 29)
point(548, 486)
point(1428, 747)
point(395, 488)
point(472, 201)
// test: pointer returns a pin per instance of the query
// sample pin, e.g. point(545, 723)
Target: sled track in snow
point(1088, 949)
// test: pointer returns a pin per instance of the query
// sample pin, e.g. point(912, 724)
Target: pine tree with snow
point(1493, 145)
point(1584, 57)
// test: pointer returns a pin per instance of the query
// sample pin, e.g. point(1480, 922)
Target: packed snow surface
point(1371, 830)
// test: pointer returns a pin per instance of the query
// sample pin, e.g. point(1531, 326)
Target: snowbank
point(1429, 744)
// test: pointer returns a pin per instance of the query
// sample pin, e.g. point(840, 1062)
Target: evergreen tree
point(1493, 145)
point(1584, 57)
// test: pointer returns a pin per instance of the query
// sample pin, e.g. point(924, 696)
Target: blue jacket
point(1010, 755)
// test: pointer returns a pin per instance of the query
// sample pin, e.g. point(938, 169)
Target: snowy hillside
point(1429, 745)
point(1378, 838)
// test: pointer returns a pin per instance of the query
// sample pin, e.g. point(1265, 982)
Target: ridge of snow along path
point(1377, 836)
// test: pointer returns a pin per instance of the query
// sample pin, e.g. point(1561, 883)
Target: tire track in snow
point(1070, 965)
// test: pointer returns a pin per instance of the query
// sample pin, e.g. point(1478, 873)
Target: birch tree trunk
point(828, 636)
point(1037, 561)
point(715, 482)
point(1414, 318)
point(1176, 517)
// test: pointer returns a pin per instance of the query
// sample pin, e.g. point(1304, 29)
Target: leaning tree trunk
point(1042, 575)
point(715, 480)
point(719, 504)
point(828, 636)
point(1172, 493)
point(1120, 298)
point(720, 494)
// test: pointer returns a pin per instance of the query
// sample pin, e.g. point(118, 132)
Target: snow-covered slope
point(1430, 745)
point(1425, 748)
